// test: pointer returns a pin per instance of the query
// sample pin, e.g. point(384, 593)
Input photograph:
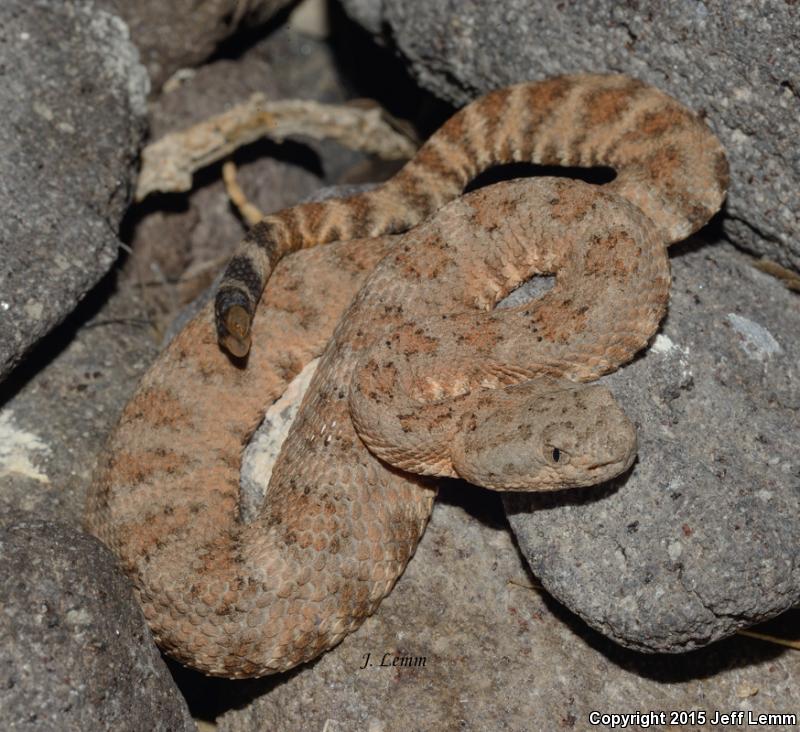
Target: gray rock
point(75, 652)
point(702, 537)
point(56, 412)
point(735, 62)
point(182, 33)
point(498, 655)
point(369, 14)
point(73, 99)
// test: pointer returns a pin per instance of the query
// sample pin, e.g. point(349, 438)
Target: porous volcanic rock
point(76, 653)
point(183, 33)
point(73, 99)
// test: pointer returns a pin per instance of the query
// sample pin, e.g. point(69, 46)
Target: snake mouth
point(597, 466)
point(613, 466)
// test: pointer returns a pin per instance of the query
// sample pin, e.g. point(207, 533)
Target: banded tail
point(667, 162)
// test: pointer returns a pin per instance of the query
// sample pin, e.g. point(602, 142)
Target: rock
point(183, 33)
point(73, 99)
point(55, 417)
point(702, 537)
point(369, 14)
point(734, 64)
point(265, 445)
point(76, 652)
point(311, 18)
point(475, 648)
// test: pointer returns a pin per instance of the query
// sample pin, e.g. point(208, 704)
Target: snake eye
point(555, 455)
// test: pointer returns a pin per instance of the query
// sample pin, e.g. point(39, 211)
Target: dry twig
point(168, 164)
point(790, 279)
point(770, 639)
point(523, 585)
point(248, 211)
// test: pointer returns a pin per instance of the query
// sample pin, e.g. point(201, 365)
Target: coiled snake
point(421, 374)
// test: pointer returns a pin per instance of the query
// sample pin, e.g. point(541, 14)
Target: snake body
point(339, 524)
point(667, 162)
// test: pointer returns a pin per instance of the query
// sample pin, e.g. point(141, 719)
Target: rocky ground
point(528, 612)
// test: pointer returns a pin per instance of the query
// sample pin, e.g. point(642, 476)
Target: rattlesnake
point(338, 525)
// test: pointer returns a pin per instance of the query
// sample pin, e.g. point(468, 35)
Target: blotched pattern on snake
point(436, 380)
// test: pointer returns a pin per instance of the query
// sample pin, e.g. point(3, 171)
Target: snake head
point(545, 435)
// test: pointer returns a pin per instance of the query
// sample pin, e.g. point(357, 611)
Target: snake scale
point(422, 373)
